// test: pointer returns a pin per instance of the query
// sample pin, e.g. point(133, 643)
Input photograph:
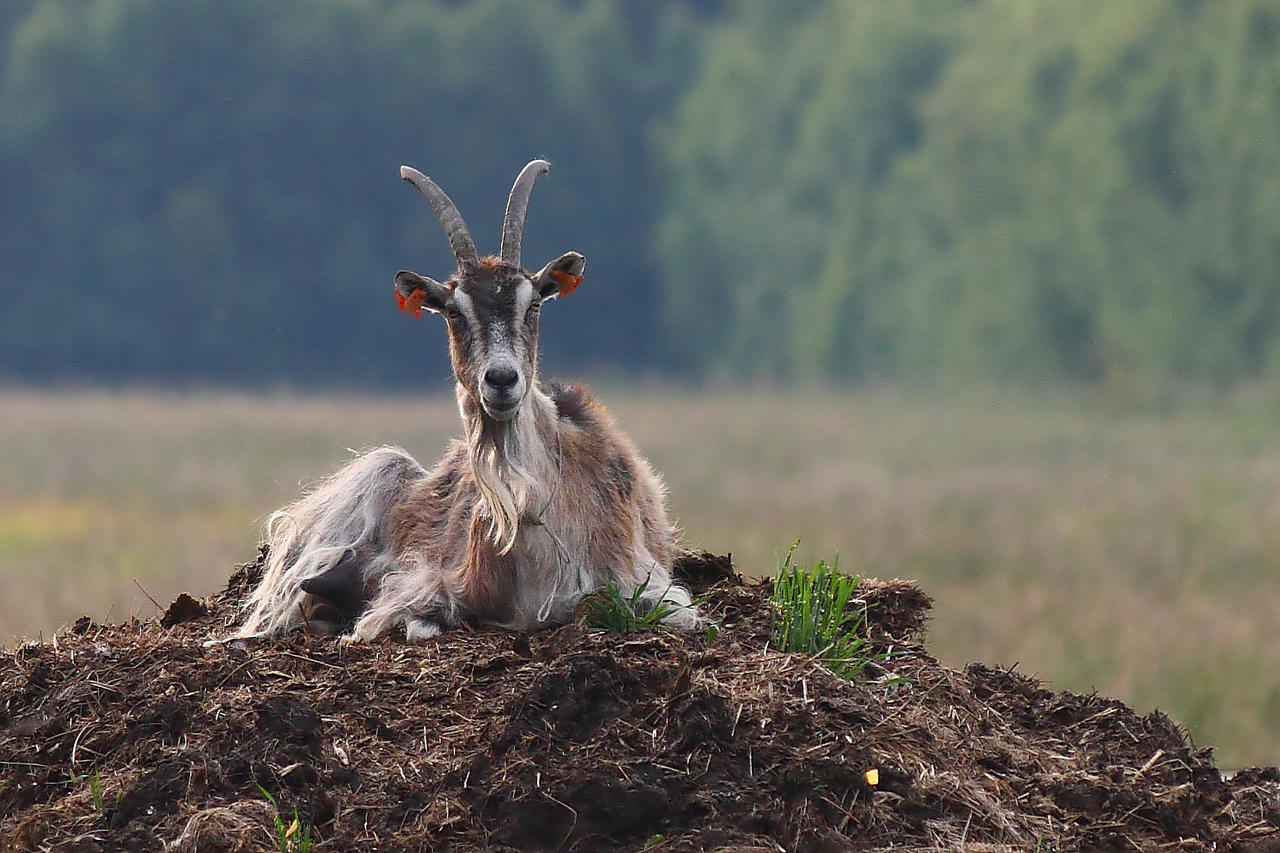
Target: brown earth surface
point(142, 737)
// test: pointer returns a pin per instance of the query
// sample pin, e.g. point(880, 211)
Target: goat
point(545, 501)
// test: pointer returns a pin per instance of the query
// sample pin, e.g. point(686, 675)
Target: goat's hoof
point(320, 618)
point(682, 618)
point(417, 630)
point(323, 628)
point(235, 641)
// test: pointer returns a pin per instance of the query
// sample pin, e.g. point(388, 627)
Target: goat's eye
point(533, 310)
point(451, 312)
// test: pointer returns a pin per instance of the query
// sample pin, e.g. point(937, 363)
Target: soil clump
point(142, 737)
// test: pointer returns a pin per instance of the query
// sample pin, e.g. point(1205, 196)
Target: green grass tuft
point(97, 793)
point(811, 615)
point(291, 837)
point(609, 610)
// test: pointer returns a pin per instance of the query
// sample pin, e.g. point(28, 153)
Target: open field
point(1134, 552)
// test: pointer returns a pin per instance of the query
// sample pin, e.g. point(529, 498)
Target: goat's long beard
point(504, 458)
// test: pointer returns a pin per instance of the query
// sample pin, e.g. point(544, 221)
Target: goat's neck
point(514, 462)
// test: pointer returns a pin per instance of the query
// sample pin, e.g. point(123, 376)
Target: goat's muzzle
point(501, 392)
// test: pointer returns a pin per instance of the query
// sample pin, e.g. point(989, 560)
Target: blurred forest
point(206, 191)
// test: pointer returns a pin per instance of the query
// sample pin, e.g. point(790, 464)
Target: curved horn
point(517, 204)
point(464, 248)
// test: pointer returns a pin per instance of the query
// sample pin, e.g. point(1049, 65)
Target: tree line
point(207, 191)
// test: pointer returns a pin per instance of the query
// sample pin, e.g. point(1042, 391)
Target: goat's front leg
point(433, 619)
point(418, 629)
point(417, 598)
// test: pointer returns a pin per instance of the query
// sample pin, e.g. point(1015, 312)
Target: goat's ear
point(415, 292)
point(560, 277)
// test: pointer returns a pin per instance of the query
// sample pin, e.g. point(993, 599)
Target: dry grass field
point(1135, 552)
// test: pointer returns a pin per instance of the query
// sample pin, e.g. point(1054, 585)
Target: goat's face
point(491, 304)
point(492, 310)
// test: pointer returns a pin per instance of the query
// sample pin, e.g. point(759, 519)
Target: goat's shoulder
point(576, 406)
point(605, 473)
point(593, 441)
point(585, 424)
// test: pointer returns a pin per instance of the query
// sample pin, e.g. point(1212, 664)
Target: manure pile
point(139, 737)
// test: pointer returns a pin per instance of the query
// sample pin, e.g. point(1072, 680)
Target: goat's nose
point(501, 378)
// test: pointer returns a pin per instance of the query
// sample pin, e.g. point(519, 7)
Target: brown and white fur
point(545, 501)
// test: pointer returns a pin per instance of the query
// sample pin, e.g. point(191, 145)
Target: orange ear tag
point(568, 283)
point(411, 303)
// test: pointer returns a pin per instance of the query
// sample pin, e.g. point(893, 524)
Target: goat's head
point(491, 304)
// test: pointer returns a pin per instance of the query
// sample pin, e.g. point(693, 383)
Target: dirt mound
point(140, 737)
